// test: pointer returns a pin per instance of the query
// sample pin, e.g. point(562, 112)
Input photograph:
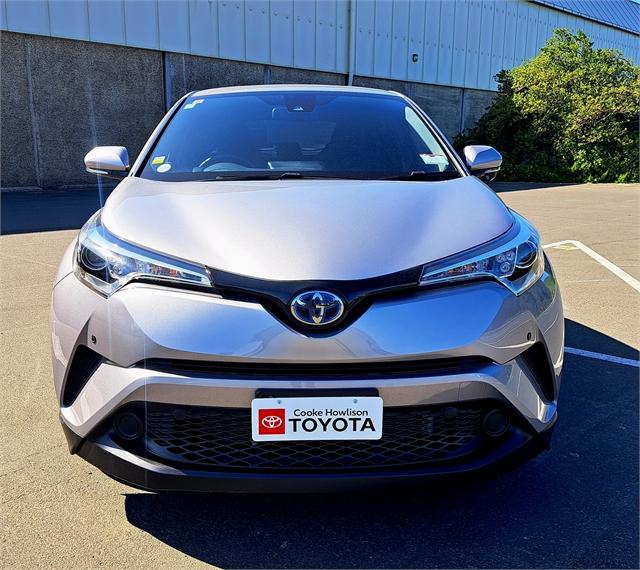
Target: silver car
point(303, 288)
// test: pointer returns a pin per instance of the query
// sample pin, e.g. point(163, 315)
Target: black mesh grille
point(221, 438)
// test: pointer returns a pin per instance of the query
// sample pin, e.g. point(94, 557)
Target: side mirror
point(109, 161)
point(483, 161)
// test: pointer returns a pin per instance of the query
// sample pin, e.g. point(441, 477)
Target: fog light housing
point(496, 423)
point(128, 426)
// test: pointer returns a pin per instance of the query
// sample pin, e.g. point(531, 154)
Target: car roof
point(294, 87)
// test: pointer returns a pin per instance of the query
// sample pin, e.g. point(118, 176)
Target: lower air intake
point(220, 439)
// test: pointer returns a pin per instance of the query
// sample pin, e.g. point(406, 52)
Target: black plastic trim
point(316, 392)
point(537, 360)
point(84, 363)
point(328, 371)
point(276, 296)
point(283, 291)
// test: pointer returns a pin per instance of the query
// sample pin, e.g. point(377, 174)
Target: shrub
point(570, 114)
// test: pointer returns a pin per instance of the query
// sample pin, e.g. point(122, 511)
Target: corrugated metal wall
point(457, 42)
point(463, 42)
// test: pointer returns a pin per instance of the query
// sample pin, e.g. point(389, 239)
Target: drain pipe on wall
point(352, 40)
point(462, 110)
point(167, 86)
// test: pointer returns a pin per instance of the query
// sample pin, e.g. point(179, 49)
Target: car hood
point(307, 229)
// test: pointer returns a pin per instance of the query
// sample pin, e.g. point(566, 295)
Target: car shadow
point(574, 506)
point(500, 187)
point(43, 210)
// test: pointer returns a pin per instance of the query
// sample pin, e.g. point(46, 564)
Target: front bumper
point(491, 334)
point(147, 474)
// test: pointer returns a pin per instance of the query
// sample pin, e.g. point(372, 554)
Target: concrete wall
point(59, 98)
point(186, 73)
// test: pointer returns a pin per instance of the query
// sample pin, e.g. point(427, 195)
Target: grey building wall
point(59, 98)
point(462, 43)
point(186, 73)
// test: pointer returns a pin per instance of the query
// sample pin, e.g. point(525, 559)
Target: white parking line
point(601, 260)
point(600, 356)
point(632, 281)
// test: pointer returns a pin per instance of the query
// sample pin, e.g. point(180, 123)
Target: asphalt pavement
point(575, 506)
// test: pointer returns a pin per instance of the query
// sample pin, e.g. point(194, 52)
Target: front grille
point(325, 370)
point(220, 438)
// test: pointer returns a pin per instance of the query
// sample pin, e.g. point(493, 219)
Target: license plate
point(323, 418)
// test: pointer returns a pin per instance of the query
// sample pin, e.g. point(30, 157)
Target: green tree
point(569, 114)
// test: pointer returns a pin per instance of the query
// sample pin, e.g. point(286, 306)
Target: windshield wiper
point(272, 176)
point(422, 175)
point(293, 175)
point(260, 176)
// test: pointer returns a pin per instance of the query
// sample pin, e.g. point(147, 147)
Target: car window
point(350, 135)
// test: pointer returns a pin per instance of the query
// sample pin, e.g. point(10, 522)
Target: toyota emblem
point(317, 308)
point(271, 422)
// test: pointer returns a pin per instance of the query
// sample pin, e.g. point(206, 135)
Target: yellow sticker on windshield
point(158, 159)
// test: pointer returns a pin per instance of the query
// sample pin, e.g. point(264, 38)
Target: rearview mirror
point(110, 161)
point(483, 161)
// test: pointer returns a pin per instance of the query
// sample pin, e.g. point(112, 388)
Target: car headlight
point(517, 263)
point(107, 263)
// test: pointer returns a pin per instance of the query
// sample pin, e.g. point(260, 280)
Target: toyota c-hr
point(303, 288)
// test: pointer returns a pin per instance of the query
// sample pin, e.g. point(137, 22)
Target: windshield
point(298, 134)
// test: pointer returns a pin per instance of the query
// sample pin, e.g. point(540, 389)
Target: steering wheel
point(226, 158)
